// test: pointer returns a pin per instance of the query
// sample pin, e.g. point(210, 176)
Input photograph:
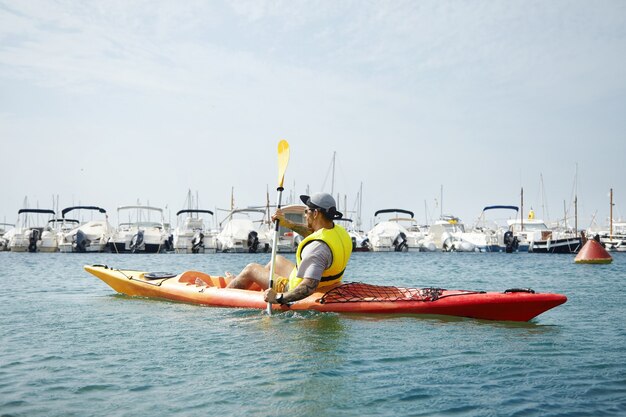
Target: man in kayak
point(321, 257)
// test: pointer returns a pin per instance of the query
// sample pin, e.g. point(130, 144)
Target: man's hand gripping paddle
point(283, 160)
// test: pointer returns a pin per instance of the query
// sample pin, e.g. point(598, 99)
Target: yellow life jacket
point(340, 244)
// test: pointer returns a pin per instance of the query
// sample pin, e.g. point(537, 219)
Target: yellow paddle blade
point(283, 160)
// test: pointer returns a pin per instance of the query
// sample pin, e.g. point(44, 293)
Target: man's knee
point(251, 268)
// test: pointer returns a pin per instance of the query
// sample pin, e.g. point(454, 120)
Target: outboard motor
point(32, 240)
point(365, 244)
point(197, 242)
point(81, 242)
point(136, 242)
point(400, 244)
point(447, 244)
point(253, 242)
point(511, 244)
point(169, 243)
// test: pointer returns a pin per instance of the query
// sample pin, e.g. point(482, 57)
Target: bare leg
point(283, 266)
point(252, 273)
point(259, 274)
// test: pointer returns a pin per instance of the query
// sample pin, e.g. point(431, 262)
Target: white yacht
point(535, 235)
point(192, 235)
point(6, 231)
point(492, 235)
point(447, 235)
point(84, 236)
point(141, 229)
point(240, 233)
point(29, 229)
point(392, 235)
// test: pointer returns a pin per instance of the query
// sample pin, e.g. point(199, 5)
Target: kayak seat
point(197, 277)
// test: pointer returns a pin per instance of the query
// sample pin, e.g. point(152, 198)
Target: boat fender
point(158, 275)
point(513, 290)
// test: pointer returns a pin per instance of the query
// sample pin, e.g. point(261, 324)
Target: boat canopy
point(68, 209)
point(194, 211)
point(410, 213)
point(64, 220)
point(140, 207)
point(40, 211)
point(501, 207)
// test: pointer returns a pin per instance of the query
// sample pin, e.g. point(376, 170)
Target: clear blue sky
point(105, 103)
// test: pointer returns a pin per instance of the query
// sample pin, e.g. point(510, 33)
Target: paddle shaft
point(274, 248)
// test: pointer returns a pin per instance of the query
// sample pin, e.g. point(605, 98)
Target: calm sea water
point(70, 346)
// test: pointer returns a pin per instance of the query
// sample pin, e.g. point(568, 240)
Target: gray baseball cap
point(324, 202)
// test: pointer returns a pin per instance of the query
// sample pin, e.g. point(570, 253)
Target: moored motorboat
point(535, 235)
point(85, 236)
point(239, 233)
point(391, 235)
point(29, 229)
point(192, 235)
point(491, 235)
point(446, 234)
point(199, 288)
point(139, 232)
point(6, 231)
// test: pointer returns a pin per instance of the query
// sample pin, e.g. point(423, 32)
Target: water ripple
point(70, 346)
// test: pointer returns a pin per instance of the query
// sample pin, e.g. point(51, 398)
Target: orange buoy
point(593, 253)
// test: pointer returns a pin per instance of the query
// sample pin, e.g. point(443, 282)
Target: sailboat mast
point(332, 182)
point(576, 215)
point(522, 210)
point(360, 206)
point(611, 217)
point(441, 202)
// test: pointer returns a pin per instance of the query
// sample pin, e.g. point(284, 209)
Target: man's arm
point(303, 290)
point(301, 229)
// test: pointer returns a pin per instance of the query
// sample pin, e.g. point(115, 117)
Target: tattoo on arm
point(300, 229)
point(304, 289)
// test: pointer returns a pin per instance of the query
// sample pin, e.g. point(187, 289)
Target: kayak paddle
point(283, 160)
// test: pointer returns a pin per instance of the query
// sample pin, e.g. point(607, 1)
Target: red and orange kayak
point(199, 288)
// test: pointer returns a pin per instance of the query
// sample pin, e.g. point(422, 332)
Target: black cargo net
point(354, 292)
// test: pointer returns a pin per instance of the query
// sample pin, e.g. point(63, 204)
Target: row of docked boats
point(450, 234)
point(142, 229)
